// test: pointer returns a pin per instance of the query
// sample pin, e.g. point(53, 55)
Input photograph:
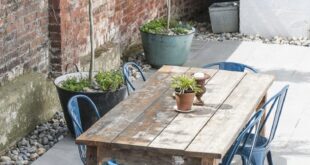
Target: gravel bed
point(46, 135)
point(35, 144)
point(204, 32)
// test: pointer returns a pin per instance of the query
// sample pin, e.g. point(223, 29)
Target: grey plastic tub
point(224, 17)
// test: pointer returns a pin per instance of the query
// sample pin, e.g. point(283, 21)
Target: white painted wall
point(286, 18)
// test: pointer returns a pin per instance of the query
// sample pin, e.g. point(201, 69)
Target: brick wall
point(45, 35)
point(115, 20)
point(23, 37)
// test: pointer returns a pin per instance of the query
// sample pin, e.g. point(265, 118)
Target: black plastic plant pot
point(104, 101)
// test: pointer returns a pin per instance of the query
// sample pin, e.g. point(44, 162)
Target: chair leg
point(243, 160)
point(269, 158)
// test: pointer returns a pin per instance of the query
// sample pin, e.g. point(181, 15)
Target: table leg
point(209, 161)
point(91, 155)
point(103, 154)
point(263, 132)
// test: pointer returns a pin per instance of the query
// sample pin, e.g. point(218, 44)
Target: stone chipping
point(204, 32)
point(35, 144)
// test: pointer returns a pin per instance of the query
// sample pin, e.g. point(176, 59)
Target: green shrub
point(159, 26)
point(109, 80)
point(75, 85)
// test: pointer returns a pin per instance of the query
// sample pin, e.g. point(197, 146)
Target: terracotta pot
point(184, 101)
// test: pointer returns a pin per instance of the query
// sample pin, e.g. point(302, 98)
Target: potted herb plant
point(185, 89)
point(166, 42)
point(106, 89)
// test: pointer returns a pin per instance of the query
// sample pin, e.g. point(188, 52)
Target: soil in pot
point(185, 101)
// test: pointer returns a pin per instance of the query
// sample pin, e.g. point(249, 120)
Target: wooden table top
point(147, 120)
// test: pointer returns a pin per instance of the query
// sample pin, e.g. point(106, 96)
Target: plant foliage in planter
point(185, 84)
point(111, 80)
point(160, 26)
point(105, 81)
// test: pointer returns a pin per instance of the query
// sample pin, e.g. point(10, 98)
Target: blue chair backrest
point(243, 137)
point(231, 66)
point(127, 75)
point(74, 112)
point(276, 104)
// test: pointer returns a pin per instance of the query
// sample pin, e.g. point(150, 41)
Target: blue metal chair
point(127, 74)
point(243, 137)
point(231, 66)
point(262, 146)
point(74, 112)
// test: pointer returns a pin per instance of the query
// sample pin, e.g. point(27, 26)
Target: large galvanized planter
point(104, 101)
point(166, 49)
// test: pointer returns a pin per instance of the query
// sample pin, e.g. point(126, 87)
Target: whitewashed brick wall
point(288, 18)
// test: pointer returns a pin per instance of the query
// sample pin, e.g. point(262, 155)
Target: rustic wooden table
point(144, 129)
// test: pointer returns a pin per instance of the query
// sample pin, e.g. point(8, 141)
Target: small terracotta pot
point(184, 101)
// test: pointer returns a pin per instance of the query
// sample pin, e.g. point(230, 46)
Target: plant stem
point(169, 10)
point(91, 32)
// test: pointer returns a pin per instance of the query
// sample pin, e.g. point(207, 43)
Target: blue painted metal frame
point(74, 112)
point(127, 74)
point(262, 146)
point(243, 137)
point(231, 66)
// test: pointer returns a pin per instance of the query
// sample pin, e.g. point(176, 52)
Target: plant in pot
point(185, 89)
point(166, 42)
point(106, 89)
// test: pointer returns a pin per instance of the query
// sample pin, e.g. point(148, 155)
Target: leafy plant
point(184, 84)
point(73, 84)
point(168, 26)
point(110, 80)
point(159, 26)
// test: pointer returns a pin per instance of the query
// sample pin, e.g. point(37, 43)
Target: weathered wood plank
point(149, 124)
point(116, 120)
point(220, 132)
point(183, 129)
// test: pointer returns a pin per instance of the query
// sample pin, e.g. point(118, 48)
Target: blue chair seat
point(243, 138)
point(258, 152)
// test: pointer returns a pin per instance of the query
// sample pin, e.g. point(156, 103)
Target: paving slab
point(65, 152)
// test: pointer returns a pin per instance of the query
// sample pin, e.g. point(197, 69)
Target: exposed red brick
point(31, 28)
point(23, 34)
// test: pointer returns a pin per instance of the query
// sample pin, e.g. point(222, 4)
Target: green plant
point(74, 84)
point(110, 80)
point(184, 84)
point(159, 26)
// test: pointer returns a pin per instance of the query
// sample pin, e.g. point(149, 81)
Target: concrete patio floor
point(290, 65)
